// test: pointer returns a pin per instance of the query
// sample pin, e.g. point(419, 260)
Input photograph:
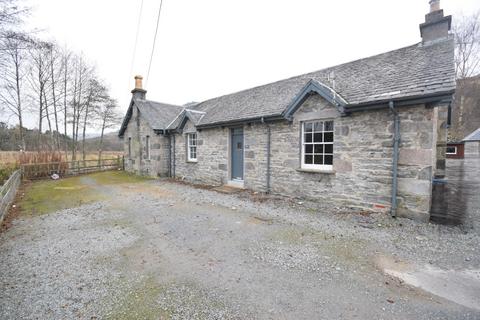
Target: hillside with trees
point(50, 83)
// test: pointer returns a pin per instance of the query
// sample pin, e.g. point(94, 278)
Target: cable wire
point(154, 41)
point(136, 39)
point(134, 53)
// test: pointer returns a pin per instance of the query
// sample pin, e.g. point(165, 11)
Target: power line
point(154, 40)
point(136, 39)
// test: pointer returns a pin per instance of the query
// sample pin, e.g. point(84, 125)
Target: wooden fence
point(8, 192)
point(69, 168)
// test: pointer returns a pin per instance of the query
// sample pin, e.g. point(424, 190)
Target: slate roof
point(411, 72)
point(474, 136)
point(158, 115)
point(193, 115)
point(408, 72)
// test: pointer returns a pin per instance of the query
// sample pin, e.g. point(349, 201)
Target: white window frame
point(316, 167)
point(190, 145)
point(454, 153)
point(147, 145)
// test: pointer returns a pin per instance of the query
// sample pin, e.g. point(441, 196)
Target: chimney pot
point(138, 82)
point(434, 5)
point(139, 92)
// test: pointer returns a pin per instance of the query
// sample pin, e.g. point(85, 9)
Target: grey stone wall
point(362, 159)
point(362, 176)
point(362, 168)
point(138, 129)
point(212, 154)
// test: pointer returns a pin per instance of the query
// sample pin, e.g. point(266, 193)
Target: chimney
point(139, 92)
point(436, 25)
point(434, 5)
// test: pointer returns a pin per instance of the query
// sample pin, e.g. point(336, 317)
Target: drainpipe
point(396, 143)
point(269, 140)
point(173, 173)
point(169, 155)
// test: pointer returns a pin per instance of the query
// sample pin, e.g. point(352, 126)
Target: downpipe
point(396, 143)
point(173, 162)
point(169, 155)
point(269, 143)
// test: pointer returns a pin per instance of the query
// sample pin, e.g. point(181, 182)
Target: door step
point(236, 184)
point(230, 188)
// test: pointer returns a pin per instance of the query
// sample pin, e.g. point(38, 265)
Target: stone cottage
point(369, 134)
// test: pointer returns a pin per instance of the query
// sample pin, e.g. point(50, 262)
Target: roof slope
point(408, 72)
point(158, 115)
point(474, 136)
point(415, 71)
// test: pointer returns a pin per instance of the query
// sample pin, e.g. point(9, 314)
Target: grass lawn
point(51, 195)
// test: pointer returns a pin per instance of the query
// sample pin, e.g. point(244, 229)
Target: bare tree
point(55, 73)
point(13, 64)
point(11, 13)
point(79, 93)
point(65, 68)
point(467, 45)
point(96, 94)
point(38, 79)
point(109, 118)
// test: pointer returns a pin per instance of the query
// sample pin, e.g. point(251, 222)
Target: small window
point(192, 147)
point(317, 145)
point(147, 143)
point(452, 150)
point(129, 148)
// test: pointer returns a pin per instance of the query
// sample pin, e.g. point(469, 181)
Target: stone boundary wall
point(8, 192)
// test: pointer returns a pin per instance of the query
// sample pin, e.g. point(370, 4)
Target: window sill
point(316, 171)
point(192, 161)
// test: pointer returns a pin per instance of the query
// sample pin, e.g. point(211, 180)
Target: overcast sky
point(213, 47)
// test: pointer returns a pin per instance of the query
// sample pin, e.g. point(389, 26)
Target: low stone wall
point(8, 192)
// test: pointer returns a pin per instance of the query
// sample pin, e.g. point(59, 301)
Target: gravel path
point(163, 250)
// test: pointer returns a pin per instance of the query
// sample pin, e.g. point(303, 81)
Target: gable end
point(315, 87)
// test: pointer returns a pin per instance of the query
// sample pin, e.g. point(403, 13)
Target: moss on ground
point(140, 303)
point(47, 196)
point(117, 177)
point(346, 248)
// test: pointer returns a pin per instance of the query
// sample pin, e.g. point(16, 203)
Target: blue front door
point(237, 154)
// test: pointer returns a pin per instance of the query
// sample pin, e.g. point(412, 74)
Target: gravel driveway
point(165, 250)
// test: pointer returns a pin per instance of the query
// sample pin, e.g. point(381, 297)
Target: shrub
point(5, 172)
